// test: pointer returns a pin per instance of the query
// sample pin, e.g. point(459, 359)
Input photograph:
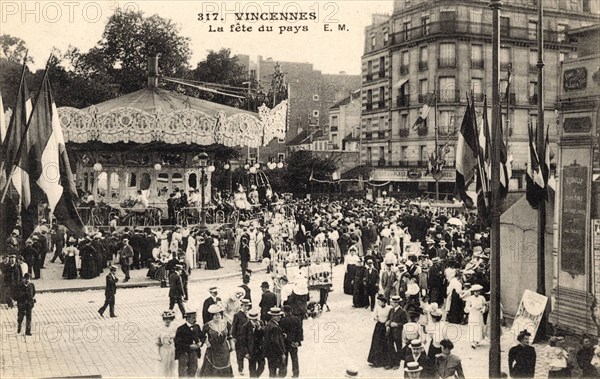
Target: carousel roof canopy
point(155, 115)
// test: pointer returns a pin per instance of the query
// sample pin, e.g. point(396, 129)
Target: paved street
point(70, 338)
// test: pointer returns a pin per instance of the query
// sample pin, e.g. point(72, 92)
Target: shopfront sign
point(574, 222)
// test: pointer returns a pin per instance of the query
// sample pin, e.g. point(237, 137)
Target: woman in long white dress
point(475, 307)
point(191, 252)
point(166, 347)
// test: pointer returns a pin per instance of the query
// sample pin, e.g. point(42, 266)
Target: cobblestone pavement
point(71, 339)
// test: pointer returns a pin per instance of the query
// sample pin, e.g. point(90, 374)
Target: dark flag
point(537, 177)
point(48, 165)
point(466, 156)
point(429, 103)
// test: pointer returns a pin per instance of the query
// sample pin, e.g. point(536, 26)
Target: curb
point(152, 283)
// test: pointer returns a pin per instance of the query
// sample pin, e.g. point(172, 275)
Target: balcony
point(404, 132)
point(381, 74)
point(402, 101)
point(403, 70)
point(404, 163)
point(422, 66)
point(533, 99)
point(449, 96)
point(369, 107)
point(465, 28)
point(446, 62)
point(369, 77)
point(381, 104)
point(477, 63)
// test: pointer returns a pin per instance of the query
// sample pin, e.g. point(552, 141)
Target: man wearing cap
point(25, 297)
point(189, 338)
point(126, 254)
point(29, 254)
point(442, 251)
point(291, 326)
point(398, 317)
point(212, 299)
point(274, 344)
point(109, 292)
point(388, 278)
point(416, 354)
point(239, 321)
point(176, 290)
point(435, 281)
point(522, 357)
point(267, 301)
point(252, 342)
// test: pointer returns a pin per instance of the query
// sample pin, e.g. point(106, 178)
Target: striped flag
point(466, 156)
point(8, 208)
point(429, 103)
point(537, 177)
point(48, 165)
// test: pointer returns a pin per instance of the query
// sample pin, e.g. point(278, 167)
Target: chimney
point(153, 71)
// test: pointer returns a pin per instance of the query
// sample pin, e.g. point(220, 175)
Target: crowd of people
point(416, 269)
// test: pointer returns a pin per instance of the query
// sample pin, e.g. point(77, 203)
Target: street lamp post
point(202, 162)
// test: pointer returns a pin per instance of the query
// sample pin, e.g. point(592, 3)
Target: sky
point(47, 24)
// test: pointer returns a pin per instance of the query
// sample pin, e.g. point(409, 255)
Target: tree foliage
point(301, 164)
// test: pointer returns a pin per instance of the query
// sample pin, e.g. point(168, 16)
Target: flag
point(536, 179)
point(310, 179)
point(8, 209)
point(51, 178)
point(12, 141)
point(429, 102)
point(466, 156)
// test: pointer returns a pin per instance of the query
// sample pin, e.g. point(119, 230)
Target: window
point(404, 122)
point(381, 97)
point(477, 56)
point(405, 61)
point(369, 155)
point(425, 25)
point(447, 21)
point(404, 153)
point(503, 86)
point(504, 26)
point(382, 67)
point(382, 153)
point(423, 154)
point(561, 57)
point(381, 125)
point(586, 6)
point(447, 89)
point(334, 123)
point(423, 89)
point(406, 29)
point(447, 55)
point(505, 60)
point(386, 38)
point(445, 122)
point(532, 93)
point(533, 61)
point(315, 113)
point(373, 42)
point(532, 29)
point(315, 97)
point(475, 16)
point(423, 58)
point(253, 74)
point(370, 70)
point(132, 180)
point(477, 87)
point(562, 32)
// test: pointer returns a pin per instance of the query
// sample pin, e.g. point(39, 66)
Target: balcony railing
point(403, 163)
point(381, 104)
point(422, 66)
point(369, 106)
point(533, 99)
point(477, 63)
point(404, 132)
point(463, 27)
point(369, 77)
point(381, 74)
point(446, 62)
point(449, 96)
point(402, 101)
point(403, 70)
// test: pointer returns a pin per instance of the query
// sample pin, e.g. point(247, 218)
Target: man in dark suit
point(244, 252)
point(371, 280)
point(398, 317)
point(213, 299)
point(291, 326)
point(248, 292)
point(416, 353)
point(522, 357)
point(110, 292)
point(274, 344)
point(176, 290)
point(267, 301)
point(189, 338)
point(252, 342)
point(126, 258)
point(239, 321)
point(25, 296)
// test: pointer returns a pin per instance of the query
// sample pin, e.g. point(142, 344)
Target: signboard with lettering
point(529, 314)
point(577, 124)
point(574, 222)
point(575, 79)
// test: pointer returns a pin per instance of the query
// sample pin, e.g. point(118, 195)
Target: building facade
point(344, 124)
point(444, 48)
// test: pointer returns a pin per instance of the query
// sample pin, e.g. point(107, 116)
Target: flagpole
point(435, 110)
point(494, 352)
point(541, 146)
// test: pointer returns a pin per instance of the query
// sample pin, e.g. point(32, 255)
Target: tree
point(302, 163)
point(13, 49)
point(222, 68)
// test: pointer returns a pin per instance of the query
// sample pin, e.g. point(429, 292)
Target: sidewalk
point(52, 280)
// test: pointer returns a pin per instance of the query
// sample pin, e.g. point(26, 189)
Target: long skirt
point(476, 326)
point(378, 354)
point(457, 309)
point(212, 260)
point(360, 298)
point(167, 367)
point(348, 277)
point(70, 270)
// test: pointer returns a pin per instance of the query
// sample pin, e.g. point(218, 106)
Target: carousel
point(143, 146)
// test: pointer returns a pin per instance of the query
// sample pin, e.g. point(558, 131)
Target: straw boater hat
point(395, 299)
point(351, 372)
point(214, 309)
point(246, 302)
point(476, 287)
point(253, 314)
point(275, 311)
point(413, 367)
point(213, 289)
point(416, 344)
point(168, 315)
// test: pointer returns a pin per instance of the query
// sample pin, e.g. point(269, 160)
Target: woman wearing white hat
point(71, 255)
point(475, 307)
point(166, 346)
point(217, 358)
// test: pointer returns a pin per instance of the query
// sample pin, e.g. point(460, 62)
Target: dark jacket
point(176, 286)
point(206, 315)
point(111, 286)
point(274, 344)
point(291, 326)
point(400, 317)
point(253, 340)
point(25, 295)
point(186, 336)
point(267, 301)
point(239, 320)
point(371, 280)
point(521, 361)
